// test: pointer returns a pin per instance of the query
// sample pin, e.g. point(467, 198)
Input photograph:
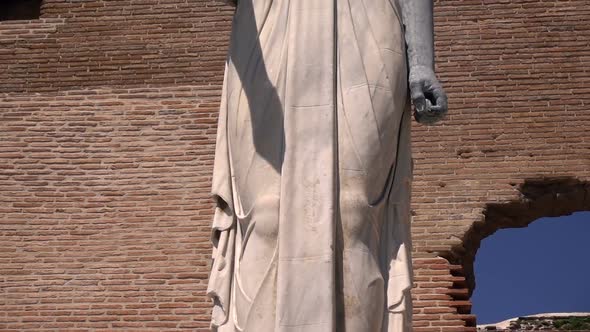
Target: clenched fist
point(428, 95)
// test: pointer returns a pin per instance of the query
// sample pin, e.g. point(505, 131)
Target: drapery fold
point(313, 125)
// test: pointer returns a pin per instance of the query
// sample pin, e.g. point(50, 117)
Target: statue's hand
point(428, 95)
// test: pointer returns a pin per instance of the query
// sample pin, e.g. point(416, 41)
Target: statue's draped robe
point(312, 170)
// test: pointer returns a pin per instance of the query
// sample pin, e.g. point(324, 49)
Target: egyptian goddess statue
point(313, 164)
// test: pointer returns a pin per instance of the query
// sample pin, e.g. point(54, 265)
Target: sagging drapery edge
point(220, 280)
point(223, 233)
point(399, 284)
point(397, 234)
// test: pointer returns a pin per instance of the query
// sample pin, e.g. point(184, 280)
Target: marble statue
point(313, 164)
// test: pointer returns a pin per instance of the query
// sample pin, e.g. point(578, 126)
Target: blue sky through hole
point(544, 267)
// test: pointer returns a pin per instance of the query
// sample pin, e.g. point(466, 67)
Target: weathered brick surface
point(123, 43)
point(105, 208)
point(107, 128)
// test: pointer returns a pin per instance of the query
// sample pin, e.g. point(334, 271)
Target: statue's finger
point(438, 109)
point(441, 99)
point(417, 95)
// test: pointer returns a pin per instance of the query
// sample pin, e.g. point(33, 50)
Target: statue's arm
point(426, 91)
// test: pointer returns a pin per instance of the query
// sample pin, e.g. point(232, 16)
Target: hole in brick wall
point(20, 9)
point(533, 270)
point(543, 197)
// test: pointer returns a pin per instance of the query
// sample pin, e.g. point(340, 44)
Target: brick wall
point(518, 81)
point(107, 127)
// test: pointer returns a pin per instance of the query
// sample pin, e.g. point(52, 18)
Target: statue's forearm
point(418, 20)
